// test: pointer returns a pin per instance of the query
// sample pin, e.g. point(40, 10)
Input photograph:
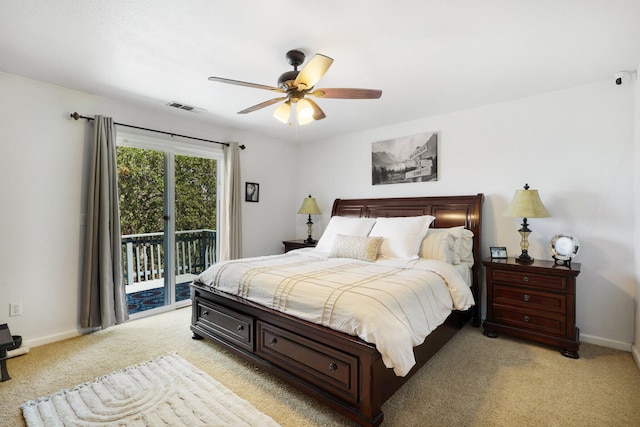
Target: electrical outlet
point(15, 309)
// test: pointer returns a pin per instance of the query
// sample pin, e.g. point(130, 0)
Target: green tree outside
point(141, 191)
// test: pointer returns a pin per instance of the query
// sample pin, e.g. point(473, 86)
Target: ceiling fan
point(296, 85)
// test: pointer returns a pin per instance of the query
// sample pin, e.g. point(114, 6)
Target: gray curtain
point(103, 299)
point(231, 208)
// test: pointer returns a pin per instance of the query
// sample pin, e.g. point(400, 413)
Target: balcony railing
point(143, 257)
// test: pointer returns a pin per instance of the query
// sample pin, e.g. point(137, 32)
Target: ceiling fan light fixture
point(283, 112)
point(305, 112)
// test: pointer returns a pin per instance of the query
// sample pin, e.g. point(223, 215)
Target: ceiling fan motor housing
point(286, 79)
point(294, 58)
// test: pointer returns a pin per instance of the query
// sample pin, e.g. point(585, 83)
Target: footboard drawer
point(326, 367)
point(227, 324)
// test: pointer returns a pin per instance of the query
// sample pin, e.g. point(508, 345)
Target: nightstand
point(533, 301)
point(290, 245)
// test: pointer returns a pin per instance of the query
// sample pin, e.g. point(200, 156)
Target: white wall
point(575, 146)
point(42, 184)
point(636, 188)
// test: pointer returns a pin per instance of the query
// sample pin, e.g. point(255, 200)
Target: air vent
point(185, 107)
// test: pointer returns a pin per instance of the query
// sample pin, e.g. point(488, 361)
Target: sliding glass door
point(168, 213)
point(196, 207)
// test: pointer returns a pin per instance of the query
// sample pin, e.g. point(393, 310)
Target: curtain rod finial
point(242, 147)
point(74, 115)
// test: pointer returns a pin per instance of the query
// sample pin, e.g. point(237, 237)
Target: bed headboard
point(450, 211)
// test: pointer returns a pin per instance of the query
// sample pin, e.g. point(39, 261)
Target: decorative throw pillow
point(348, 226)
point(402, 235)
point(453, 245)
point(439, 244)
point(357, 247)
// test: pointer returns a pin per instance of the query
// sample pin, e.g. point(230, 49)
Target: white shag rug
point(167, 391)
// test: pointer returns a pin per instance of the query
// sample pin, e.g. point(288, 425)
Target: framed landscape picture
point(406, 159)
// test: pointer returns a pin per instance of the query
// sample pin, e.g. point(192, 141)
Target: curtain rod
point(77, 116)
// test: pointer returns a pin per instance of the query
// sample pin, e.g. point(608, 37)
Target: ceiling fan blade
point(312, 72)
point(347, 93)
point(262, 105)
point(241, 83)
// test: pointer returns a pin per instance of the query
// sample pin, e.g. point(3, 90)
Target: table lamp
point(309, 207)
point(526, 204)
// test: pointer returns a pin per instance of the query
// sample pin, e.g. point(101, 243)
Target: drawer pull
point(526, 318)
point(240, 328)
point(333, 367)
point(525, 297)
point(525, 278)
point(205, 312)
point(273, 341)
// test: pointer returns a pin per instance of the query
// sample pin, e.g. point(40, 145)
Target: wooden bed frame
point(342, 371)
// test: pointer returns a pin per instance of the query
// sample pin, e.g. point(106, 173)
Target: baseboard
point(636, 354)
point(58, 337)
point(618, 345)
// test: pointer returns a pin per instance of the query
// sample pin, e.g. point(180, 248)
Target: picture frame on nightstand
point(498, 252)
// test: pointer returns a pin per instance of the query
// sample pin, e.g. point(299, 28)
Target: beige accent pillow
point(452, 245)
point(349, 226)
point(439, 244)
point(356, 247)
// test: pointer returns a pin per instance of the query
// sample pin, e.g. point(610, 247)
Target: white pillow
point(362, 248)
point(402, 235)
point(348, 226)
point(439, 244)
point(466, 247)
point(454, 243)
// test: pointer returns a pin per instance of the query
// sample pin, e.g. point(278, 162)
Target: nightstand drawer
point(530, 299)
point(529, 279)
point(535, 321)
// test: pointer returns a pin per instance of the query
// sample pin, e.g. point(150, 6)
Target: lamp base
point(309, 225)
point(524, 258)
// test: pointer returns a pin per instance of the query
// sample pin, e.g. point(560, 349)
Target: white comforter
point(393, 304)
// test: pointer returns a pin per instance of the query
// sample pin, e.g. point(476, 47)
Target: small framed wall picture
point(498, 252)
point(251, 192)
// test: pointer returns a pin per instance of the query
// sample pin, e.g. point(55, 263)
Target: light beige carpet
point(472, 381)
point(166, 391)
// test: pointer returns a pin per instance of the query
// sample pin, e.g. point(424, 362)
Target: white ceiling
point(429, 57)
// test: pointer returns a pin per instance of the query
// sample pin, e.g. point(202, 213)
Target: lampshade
point(304, 112)
point(309, 206)
point(283, 112)
point(526, 204)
